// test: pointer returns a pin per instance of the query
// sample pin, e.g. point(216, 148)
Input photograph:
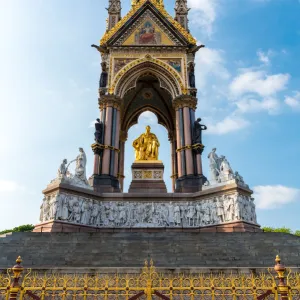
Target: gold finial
point(18, 269)
point(146, 146)
point(278, 260)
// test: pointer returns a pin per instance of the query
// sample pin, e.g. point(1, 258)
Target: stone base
point(105, 184)
point(190, 184)
point(60, 226)
point(147, 177)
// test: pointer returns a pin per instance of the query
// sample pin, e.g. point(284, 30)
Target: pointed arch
point(127, 77)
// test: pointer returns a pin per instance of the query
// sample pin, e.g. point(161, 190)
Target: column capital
point(109, 100)
point(185, 101)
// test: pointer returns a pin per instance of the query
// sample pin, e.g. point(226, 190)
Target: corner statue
point(146, 146)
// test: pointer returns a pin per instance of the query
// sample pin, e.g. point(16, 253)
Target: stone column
point(188, 141)
point(107, 140)
point(188, 179)
point(173, 163)
point(105, 177)
point(117, 141)
point(178, 143)
point(123, 138)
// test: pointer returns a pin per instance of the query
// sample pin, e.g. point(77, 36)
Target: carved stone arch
point(127, 77)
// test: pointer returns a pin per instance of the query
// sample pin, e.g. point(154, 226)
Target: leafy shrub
point(21, 228)
point(281, 229)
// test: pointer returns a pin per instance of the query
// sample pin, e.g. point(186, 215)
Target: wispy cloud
point(293, 102)
point(203, 14)
point(275, 196)
point(265, 57)
point(228, 125)
point(252, 105)
point(259, 82)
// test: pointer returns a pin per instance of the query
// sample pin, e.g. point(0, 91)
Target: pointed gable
point(147, 23)
point(148, 30)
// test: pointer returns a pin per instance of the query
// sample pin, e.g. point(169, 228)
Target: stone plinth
point(222, 208)
point(147, 177)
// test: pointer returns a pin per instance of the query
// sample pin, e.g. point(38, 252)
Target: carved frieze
point(205, 212)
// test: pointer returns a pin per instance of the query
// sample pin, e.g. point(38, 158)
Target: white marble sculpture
point(204, 212)
point(78, 179)
point(221, 171)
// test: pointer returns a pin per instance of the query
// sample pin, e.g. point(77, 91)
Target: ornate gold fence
point(149, 284)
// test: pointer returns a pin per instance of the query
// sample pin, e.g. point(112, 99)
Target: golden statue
point(146, 146)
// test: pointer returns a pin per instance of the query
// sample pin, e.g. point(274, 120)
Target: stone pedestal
point(190, 183)
point(105, 184)
point(147, 177)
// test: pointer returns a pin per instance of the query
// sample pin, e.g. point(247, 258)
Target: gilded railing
point(149, 284)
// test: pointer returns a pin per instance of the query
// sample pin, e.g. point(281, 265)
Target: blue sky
point(249, 96)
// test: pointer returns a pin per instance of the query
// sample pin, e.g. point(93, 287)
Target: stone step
point(167, 249)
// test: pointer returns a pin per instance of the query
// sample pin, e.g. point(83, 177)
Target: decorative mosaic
point(174, 62)
point(148, 30)
point(147, 174)
point(120, 63)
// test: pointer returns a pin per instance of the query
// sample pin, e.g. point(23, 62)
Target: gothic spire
point(182, 11)
point(114, 13)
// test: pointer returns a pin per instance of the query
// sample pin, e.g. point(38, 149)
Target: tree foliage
point(281, 229)
point(22, 228)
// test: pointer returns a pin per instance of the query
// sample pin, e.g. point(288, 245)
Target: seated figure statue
point(146, 146)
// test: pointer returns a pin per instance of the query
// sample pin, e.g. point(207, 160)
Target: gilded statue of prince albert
point(146, 146)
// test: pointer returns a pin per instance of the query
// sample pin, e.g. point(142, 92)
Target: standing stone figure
point(220, 210)
point(65, 210)
point(62, 171)
point(238, 208)
point(198, 214)
point(53, 207)
point(214, 165)
point(239, 178)
point(226, 172)
point(192, 80)
point(191, 214)
point(94, 214)
point(122, 215)
point(80, 170)
point(104, 76)
point(43, 209)
point(76, 213)
point(59, 199)
point(197, 131)
point(177, 216)
point(253, 210)
point(99, 132)
point(171, 214)
point(229, 208)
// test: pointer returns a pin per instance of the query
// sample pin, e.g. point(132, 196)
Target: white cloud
point(148, 117)
point(259, 82)
point(250, 105)
point(270, 197)
point(293, 102)
point(203, 14)
point(8, 186)
point(229, 124)
point(210, 62)
point(264, 57)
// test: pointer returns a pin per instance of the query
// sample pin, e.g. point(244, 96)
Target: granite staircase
point(170, 250)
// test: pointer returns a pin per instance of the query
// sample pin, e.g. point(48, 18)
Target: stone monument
point(148, 63)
